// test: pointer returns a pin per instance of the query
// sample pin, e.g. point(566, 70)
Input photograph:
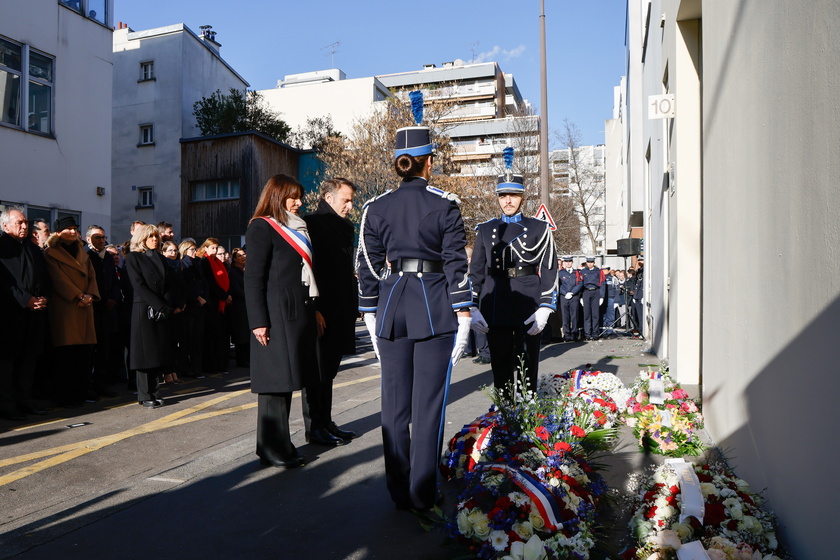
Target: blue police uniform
point(513, 272)
point(593, 291)
point(569, 282)
point(419, 230)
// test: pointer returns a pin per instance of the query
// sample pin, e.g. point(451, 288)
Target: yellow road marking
point(64, 453)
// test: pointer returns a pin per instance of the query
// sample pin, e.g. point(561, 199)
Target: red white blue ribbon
point(297, 240)
point(544, 501)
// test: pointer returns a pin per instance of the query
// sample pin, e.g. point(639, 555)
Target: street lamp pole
point(544, 164)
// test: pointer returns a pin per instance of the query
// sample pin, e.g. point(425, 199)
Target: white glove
point(615, 306)
point(370, 323)
point(581, 302)
point(461, 338)
point(600, 301)
point(539, 318)
point(478, 323)
point(569, 295)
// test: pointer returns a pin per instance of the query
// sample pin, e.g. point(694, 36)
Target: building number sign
point(661, 106)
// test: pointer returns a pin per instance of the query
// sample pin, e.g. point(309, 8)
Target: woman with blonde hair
point(155, 302)
point(191, 336)
point(279, 294)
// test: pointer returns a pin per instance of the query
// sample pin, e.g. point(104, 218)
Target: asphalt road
point(182, 481)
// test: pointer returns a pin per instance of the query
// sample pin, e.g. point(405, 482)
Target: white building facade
point(740, 205)
point(158, 75)
point(55, 96)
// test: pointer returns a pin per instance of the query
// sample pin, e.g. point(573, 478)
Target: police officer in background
point(570, 284)
point(592, 299)
point(514, 278)
point(414, 311)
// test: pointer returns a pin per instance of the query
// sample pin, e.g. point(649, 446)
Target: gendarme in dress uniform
point(413, 277)
point(514, 277)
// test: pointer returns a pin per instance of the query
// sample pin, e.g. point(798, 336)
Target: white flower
point(667, 539)
point(465, 526)
point(518, 498)
point(772, 543)
point(536, 520)
point(727, 492)
point(481, 529)
point(684, 530)
point(665, 512)
point(531, 550)
point(524, 529)
point(716, 554)
point(708, 489)
point(499, 540)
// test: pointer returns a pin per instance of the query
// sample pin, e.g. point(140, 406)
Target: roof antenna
point(333, 49)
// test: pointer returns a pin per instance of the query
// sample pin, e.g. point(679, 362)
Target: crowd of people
point(82, 316)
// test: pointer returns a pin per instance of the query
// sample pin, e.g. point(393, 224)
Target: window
point(224, 189)
point(93, 9)
point(145, 197)
point(26, 80)
point(147, 70)
point(147, 135)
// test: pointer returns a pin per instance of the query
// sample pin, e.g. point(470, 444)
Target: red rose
point(542, 433)
point(715, 515)
point(562, 446)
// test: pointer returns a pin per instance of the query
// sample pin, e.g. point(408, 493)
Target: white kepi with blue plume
point(509, 183)
point(414, 140)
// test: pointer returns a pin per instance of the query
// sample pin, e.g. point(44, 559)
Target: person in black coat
point(332, 238)
point(24, 284)
point(417, 314)
point(155, 301)
point(279, 293)
point(237, 315)
point(104, 311)
point(217, 341)
point(191, 337)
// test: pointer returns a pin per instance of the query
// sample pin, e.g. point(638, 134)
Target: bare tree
point(586, 182)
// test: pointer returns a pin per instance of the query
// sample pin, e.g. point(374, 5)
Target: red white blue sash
point(297, 240)
point(544, 501)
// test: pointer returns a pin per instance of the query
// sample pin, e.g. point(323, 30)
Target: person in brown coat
point(70, 311)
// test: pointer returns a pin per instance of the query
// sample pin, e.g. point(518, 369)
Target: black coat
point(154, 286)
point(332, 260)
point(276, 298)
point(23, 275)
point(236, 313)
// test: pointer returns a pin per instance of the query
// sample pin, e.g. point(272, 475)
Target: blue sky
point(266, 40)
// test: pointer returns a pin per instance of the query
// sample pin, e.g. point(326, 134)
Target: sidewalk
point(336, 506)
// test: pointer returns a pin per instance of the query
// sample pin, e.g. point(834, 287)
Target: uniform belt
point(514, 272)
point(416, 265)
point(592, 288)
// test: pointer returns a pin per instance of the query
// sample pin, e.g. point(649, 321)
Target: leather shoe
point(151, 404)
point(321, 436)
point(292, 463)
point(339, 433)
point(481, 360)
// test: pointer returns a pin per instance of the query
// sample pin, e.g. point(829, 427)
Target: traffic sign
point(544, 215)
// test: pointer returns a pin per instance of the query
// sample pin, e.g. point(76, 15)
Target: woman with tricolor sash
point(279, 294)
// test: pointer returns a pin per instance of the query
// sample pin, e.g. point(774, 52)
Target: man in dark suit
point(105, 310)
point(332, 239)
point(23, 328)
point(514, 280)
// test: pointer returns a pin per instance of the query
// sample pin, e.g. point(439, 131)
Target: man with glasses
point(105, 311)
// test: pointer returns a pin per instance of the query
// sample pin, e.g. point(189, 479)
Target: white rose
point(665, 512)
point(708, 489)
point(464, 524)
point(684, 530)
point(476, 515)
point(661, 502)
point(667, 539)
point(481, 529)
point(524, 529)
point(772, 543)
point(727, 492)
point(715, 554)
point(536, 521)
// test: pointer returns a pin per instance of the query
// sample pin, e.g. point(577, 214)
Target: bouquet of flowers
point(671, 428)
point(734, 527)
point(528, 488)
point(559, 384)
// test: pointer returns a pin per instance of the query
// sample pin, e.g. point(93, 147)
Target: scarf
point(297, 234)
point(220, 275)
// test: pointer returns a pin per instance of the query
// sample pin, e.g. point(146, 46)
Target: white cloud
point(499, 54)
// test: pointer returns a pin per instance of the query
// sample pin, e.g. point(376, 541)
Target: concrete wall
point(63, 172)
point(771, 299)
point(185, 71)
point(346, 101)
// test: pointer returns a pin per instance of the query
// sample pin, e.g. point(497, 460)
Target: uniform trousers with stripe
point(591, 313)
point(415, 380)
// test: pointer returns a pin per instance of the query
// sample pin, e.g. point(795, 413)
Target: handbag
point(155, 315)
